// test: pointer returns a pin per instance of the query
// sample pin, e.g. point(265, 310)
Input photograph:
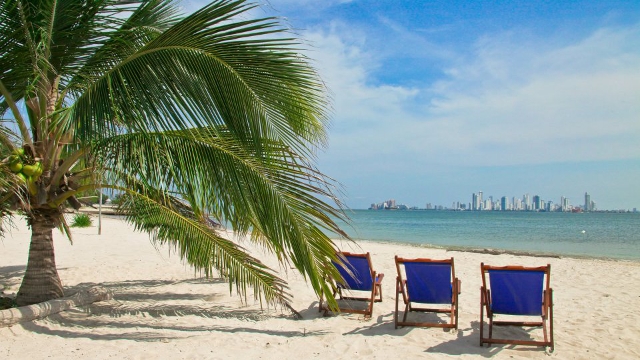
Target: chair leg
point(481, 315)
point(456, 314)
point(454, 307)
point(551, 318)
point(407, 308)
point(372, 300)
point(395, 314)
point(490, 329)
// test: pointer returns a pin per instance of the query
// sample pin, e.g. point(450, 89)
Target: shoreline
point(495, 251)
point(481, 250)
point(161, 308)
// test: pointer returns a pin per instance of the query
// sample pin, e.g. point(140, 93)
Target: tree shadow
point(11, 276)
point(146, 332)
point(142, 310)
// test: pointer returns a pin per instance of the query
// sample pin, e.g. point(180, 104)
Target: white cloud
point(574, 103)
point(513, 100)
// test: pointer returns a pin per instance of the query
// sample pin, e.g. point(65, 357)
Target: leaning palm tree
point(198, 120)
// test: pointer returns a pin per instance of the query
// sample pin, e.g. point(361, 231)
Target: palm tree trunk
point(41, 281)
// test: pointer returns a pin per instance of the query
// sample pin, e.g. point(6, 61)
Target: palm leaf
point(193, 238)
point(274, 198)
point(202, 73)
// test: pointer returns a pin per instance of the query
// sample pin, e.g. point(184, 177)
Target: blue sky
point(436, 100)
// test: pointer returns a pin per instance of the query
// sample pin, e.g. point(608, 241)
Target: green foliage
point(213, 115)
point(118, 199)
point(81, 220)
point(94, 199)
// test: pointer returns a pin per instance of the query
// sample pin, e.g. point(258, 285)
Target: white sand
point(161, 309)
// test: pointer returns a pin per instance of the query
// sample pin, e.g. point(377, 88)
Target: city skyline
point(526, 202)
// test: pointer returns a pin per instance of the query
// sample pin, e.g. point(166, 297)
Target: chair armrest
point(379, 278)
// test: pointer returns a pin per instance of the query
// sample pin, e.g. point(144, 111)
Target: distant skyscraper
point(564, 204)
point(536, 203)
point(504, 203)
point(587, 202)
point(526, 202)
point(480, 204)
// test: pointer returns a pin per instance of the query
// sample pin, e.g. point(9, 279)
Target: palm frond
point(8, 138)
point(193, 238)
point(276, 198)
point(119, 40)
point(208, 71)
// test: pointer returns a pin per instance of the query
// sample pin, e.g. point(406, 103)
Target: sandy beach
point(162, 309)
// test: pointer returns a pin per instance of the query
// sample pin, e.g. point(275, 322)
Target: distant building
point(504, 203)
point(516, 204)
point(526, 202)
point(536, 203)
point(549, 206)
point(587, 202)
point(488, 205)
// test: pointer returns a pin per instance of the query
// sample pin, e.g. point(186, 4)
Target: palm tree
point(210, 117)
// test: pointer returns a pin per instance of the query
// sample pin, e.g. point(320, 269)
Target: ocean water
point(595, 235)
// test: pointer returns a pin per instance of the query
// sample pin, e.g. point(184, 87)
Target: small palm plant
point(81, 220)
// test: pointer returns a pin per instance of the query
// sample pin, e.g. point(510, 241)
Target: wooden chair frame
point(401, 288)
point(547, 310)
point(374, 295)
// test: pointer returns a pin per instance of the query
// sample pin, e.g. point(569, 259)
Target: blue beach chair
point(427, 282)
point(516, 291)
point(357, 276)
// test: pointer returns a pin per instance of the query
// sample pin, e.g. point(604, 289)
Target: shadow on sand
point(11, 276)
point(464, 341)
point(143, 310)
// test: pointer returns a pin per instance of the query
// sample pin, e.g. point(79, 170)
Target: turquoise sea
point(596, 235)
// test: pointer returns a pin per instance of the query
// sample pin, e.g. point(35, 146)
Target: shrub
point(94, 199)
point(81, 220)
point(119, 199)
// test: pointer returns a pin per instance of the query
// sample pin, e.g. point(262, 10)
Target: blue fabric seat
point(427, 281)
point(357, 276)
point(517, 291)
